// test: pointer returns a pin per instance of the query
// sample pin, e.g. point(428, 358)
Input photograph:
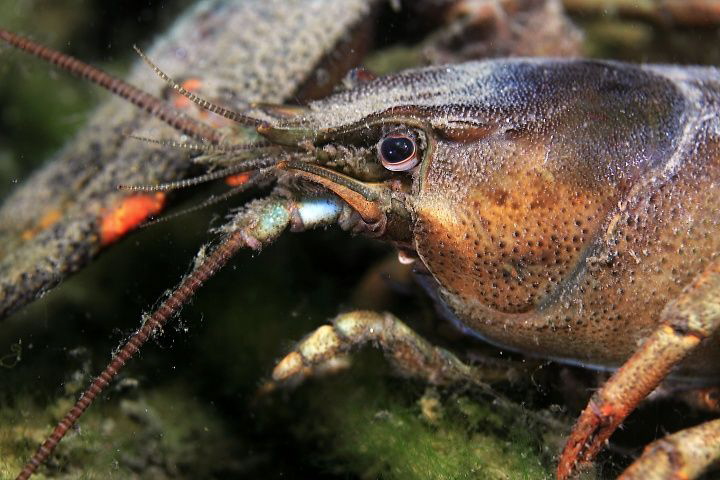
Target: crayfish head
point(371, 165)
point(503, 171)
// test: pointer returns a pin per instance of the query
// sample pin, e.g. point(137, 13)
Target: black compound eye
point(398, 152)
point(397, 149)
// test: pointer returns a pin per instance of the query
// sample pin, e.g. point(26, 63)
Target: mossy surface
point(380, 430)
point(167, 433)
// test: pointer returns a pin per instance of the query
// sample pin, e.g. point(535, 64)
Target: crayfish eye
point(398, 152)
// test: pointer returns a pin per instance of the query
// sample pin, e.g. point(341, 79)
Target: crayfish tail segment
point(132, 94)
point(685, 322)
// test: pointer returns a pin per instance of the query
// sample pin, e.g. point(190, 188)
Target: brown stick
point(49, 226)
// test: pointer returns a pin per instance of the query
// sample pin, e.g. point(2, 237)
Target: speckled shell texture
point(562, 203)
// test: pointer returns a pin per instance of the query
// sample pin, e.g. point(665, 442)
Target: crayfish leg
point(684, 323)
point(411, 354)
point(684, 454)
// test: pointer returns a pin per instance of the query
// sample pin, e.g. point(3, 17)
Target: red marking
point(129, 213)
point(181, 102)
point(237, 179)
point(607, 410)
point(595, 425)
point(614, 413)
point(191, 85)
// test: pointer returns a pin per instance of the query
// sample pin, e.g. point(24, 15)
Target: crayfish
point(565, 209)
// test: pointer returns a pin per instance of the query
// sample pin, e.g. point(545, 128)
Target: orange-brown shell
point(560, 204)
point(572, 221)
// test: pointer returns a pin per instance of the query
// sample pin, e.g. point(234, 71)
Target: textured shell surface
point(561, 204)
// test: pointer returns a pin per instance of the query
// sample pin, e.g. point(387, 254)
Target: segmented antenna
point(205, 269)
point(245, 166)
point(211, 200)
point(132, 94)
point(203, 147)
point(201, 102)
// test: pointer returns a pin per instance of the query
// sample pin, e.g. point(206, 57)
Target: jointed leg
point(410, 353)
point(684, 323)
point(682, 455)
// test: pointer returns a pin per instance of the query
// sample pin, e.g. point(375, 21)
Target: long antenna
point(132, 94)
point(201, 102)
point(205, 269)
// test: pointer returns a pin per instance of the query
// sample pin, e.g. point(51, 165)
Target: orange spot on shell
point(237, 179)
point(47, 220)
point(614, 412)
point(130, 212)
point(607, 410)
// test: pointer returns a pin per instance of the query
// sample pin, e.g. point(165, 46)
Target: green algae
point(377, 430)
point(167, 433)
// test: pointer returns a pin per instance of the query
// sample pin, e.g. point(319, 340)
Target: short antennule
point(201, 102)
point(132, 94)
point(249, 165)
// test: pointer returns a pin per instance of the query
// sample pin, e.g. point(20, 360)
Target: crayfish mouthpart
point(364, 198)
